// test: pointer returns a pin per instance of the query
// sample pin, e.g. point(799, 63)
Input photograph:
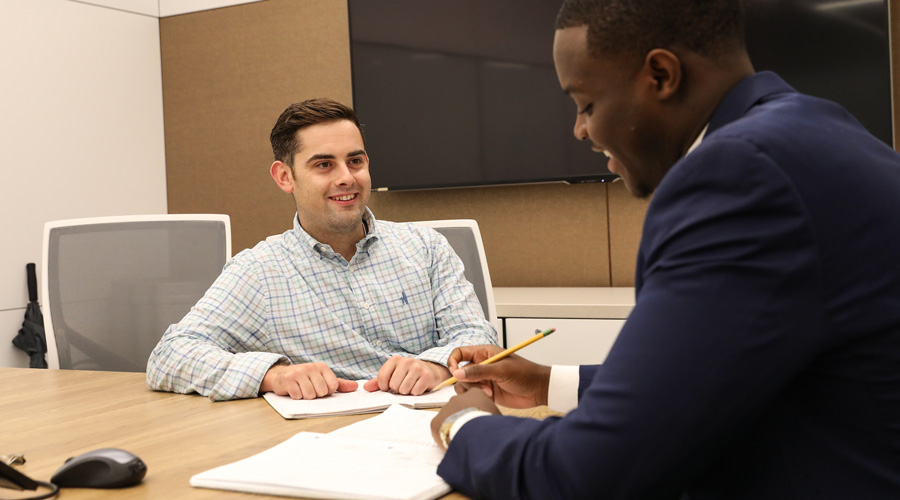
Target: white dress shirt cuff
point(562, 395)
point(463, 419)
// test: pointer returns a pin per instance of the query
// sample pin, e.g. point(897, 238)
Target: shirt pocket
point(406, 310)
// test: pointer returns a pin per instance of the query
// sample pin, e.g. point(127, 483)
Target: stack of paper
point(388, 457)
point(352, 403)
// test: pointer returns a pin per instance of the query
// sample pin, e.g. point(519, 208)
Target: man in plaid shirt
point(340, 297)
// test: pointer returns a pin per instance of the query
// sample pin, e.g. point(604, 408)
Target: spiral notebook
point(388, 457)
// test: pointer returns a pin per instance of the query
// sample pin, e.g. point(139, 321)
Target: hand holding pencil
point(515, 382)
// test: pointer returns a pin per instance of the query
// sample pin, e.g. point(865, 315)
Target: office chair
point(465, 238)
point(112, 285)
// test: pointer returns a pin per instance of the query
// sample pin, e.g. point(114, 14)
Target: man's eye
point(323, 164)
point(586, 110)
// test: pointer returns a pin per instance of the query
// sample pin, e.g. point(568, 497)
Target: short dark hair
point(300, 115)
point(712, 28)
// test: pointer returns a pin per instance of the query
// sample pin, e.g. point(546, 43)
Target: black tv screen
point(458, 93)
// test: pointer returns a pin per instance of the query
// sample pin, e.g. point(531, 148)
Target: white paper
point(379, 459)
point(397, 424)
point(351, 403)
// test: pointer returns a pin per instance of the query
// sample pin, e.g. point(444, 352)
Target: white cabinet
point(587, 321)
point(575, 341)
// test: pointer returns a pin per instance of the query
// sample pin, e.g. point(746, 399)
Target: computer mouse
point(103, 468)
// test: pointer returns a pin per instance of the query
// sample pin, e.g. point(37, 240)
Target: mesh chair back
point(112, 285)
point(465, 238)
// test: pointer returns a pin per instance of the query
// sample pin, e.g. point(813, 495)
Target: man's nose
point(580, 130)
point(343, 176)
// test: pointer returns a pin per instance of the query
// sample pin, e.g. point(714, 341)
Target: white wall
point(81, 130)
point(165, 8)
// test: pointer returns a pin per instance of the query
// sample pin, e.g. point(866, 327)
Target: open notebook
point(388, 457)
point(352, 403)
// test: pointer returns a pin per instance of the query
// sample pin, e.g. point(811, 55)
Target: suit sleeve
point(727, 311)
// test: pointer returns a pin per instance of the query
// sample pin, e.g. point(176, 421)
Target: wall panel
point(534, 235)
point(227, 75)
point(626, 219)
point(81, 129)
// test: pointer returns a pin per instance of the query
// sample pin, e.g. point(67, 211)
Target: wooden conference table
point(51, 415)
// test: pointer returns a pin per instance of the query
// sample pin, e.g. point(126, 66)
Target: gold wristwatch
point(444, 432)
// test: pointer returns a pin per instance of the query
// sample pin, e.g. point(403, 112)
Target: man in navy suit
point(762, 358)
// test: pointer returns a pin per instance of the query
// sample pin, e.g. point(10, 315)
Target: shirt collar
point(371, 227)
point(698, 140)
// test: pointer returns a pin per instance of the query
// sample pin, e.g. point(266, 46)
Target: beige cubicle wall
point(228, 73)
point(534, 235)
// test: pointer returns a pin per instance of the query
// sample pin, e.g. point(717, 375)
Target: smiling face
point(329, 181)
point(617, 112)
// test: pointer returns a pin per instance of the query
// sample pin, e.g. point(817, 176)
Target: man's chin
point(638, 189)
point(346, 222)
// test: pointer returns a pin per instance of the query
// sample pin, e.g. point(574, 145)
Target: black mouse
point(103, 468)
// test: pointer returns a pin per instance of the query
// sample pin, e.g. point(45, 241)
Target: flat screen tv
point(456, 93)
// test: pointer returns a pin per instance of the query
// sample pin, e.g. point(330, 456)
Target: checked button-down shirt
point(291, 299)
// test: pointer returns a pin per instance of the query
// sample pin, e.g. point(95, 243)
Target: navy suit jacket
point(762, 358)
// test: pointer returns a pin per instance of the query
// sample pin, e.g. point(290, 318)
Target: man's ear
point(664, 68)
point(283, 176)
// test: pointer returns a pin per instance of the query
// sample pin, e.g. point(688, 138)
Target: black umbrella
point(31, 338)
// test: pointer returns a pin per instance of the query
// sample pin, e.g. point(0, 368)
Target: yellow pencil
point(500, 355)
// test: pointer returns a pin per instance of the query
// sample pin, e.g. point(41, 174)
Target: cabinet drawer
point(575, 341)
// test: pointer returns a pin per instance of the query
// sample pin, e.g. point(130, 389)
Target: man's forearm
point(187, 366)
